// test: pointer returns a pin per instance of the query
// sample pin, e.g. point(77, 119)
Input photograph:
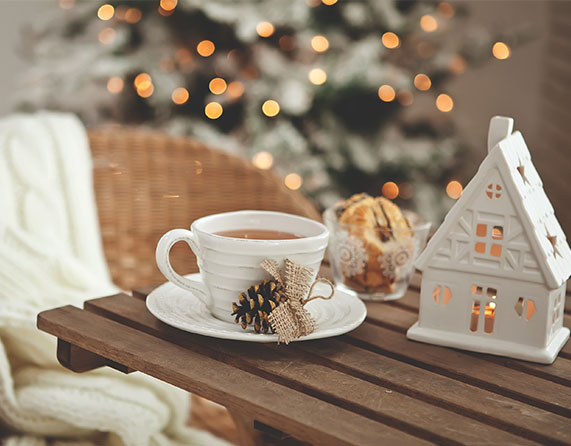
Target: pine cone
point(256, 304)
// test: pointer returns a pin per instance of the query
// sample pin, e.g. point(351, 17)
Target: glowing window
point(480, 247)
point(442, 294)
point(494, 190)
point(481, 230)
point(498, 232)
point(525, 307)
point(475, 315)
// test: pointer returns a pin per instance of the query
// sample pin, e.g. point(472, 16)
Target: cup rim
point(322, 235)
point(421, 225)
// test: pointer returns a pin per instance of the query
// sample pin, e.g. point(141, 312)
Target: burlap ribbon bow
point(290, 320)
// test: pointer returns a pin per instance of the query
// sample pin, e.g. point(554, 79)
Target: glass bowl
point(374, 263)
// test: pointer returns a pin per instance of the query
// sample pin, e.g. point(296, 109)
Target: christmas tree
point(319, 90)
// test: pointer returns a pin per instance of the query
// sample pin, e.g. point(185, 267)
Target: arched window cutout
point(447, 295)
point(519, 306)
point(530, 311)
point(490, 314)
point(526, 306)
point(442, 291)
point(475, 315)
point(494, 190)
point(436, 293)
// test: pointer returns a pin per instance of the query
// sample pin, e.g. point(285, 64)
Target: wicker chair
point(147, 183)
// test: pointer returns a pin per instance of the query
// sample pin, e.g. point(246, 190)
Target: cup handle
point(162, 255)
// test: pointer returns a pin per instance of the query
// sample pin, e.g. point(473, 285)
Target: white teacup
point(229, 266)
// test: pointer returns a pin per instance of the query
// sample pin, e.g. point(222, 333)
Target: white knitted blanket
point(51, 255)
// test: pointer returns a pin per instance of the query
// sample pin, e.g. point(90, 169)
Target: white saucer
point(181, 309)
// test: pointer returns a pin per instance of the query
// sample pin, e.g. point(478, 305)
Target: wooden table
point(369, 387)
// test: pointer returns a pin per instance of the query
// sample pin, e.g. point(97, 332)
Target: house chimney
point(500, 128)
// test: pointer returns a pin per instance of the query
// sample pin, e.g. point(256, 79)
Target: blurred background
point(336, 97)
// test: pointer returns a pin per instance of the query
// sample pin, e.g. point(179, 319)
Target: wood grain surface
point(371, 386)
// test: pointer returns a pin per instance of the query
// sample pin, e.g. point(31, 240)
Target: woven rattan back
point(147, 183)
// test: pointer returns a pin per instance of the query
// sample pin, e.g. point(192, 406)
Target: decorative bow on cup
point(279, 304)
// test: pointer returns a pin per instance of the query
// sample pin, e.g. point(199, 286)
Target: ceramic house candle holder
point(495, 272)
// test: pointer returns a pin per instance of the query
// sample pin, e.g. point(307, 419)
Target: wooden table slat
point(465, 367)
point(270, 403)
point(283, 364)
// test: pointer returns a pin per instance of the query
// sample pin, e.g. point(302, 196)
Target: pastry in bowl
point(373, 245)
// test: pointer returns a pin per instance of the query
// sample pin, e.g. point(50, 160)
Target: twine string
point(318, 280)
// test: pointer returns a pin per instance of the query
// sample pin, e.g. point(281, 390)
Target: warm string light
point(235, 89)
point(444, 103)
point(66, 4)
point(390, 40)
point(106, 36)
point(319, 44)
point(386, 93)
point(293, 181)
point(263, 160)
point(422, 82)
point(213, 110)
point(115, 84)
point(105, 12)
point(205, 48)
point(133, 15)
point(405, 97)
point(180, 95)
point(501, 51)
point(445, 10)
point(390, 190)
point(217, 85)
point(454, 189)
point(168, 5)
point(265, 29)
point(428, 23)
point(317, 76)
point(270, 108)
point(457, 64)
point(144, 85)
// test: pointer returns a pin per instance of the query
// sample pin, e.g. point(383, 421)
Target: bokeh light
point(235, 89)
point(265, 29)
point(501, 51)
point(217, 85)
point(293, 181)
point(66, 4)
point(142, 80)
point(445, 10)
point(146, 90)
point(205, 48)
point(213, 110)
point(444, 103)
point(106, 36)
point(317, 76)
point(328, 2)
point(115, 84)
point(454, 189)
point(133, 15)
point(263, 160)
point(390, 190)
point(422, 82)
point(386, 93)
point(105, 12)
point(428, 23)
point(457, 64)
point(405, 97)
point(270, 108)
point(390, 40)
point(168, 5)
point(180, 95)
point(319, 43)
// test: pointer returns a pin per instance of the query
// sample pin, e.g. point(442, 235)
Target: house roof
point(523, 184)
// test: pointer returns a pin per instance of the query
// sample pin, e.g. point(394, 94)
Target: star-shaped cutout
point(521, 170)
point(553, 240)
